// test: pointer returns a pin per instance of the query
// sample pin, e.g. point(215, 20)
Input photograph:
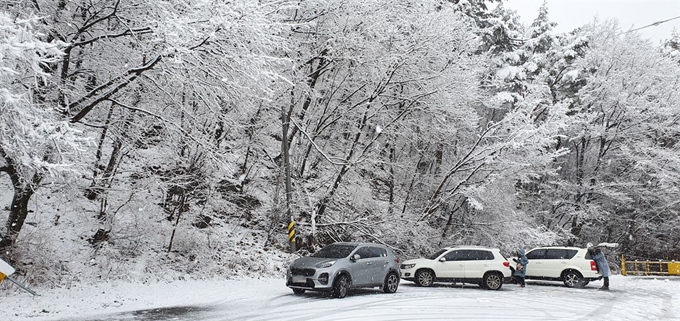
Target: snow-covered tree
point(162, 85)
point(372, 85)
point(34, 141)
point(671, 47)
point(622, 118)
point(500, 30)
point(529, 117)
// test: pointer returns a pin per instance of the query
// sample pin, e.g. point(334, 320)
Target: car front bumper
point(311, 279)
point(408, 274)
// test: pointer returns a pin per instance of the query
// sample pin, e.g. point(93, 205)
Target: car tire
point(492, 281)
point(572, 279)
point(340, 286)
point(299, 291)
point(425, 278)
point(391, 283)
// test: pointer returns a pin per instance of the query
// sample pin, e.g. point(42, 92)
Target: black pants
point(519, 280)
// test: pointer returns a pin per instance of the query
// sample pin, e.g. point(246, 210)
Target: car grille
point(307, 284)
point(304, 272)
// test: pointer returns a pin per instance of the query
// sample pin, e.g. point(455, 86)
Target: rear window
point(378, 252)
point(335, 251)
point(559, 254)
point(371, 251)
point(481, 255)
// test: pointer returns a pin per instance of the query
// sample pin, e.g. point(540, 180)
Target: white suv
point(571, 265)
point(484, 266)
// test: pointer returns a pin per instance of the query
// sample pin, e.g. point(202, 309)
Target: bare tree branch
point(96, 21)
point(129, 32)
point(330, 159)
point(132, 73)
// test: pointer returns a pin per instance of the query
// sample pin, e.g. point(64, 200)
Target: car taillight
point(593, 266)
point(506, 264)
point(396, 260)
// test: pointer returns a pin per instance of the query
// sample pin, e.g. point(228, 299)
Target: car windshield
point(437, 254)
point(335, 251)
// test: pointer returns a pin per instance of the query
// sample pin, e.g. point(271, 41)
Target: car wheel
point(391, 283)
point(424, 278)
point(572, 278)
point(493, 281)
point(340, 286)
point(299, 291)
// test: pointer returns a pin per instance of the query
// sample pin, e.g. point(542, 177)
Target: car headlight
point(325, 264)
point(407, 266)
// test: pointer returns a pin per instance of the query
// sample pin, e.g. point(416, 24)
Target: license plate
point(299, 279)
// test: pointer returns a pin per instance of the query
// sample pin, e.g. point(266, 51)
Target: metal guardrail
point(649, 267)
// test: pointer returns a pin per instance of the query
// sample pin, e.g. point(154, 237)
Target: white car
point(484, 266)
point(571, 265)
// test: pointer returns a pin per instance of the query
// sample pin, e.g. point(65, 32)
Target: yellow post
point(292, 235)
point(674, 268)
point(647, 267)
point(623, 265)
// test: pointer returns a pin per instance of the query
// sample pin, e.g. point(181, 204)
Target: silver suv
point(339, 267)
point(571, 265)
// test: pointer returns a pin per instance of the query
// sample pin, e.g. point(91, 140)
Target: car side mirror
point(355, 257)
point(442, 259)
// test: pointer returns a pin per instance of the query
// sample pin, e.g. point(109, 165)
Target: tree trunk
point(17, 215)
point(179, 209)
point(19, 207)
point(285, 124)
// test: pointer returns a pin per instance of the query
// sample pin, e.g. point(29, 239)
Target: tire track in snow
point(422, 303)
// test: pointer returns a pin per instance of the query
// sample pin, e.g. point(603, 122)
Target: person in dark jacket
point(521, 268)
point(602, 266)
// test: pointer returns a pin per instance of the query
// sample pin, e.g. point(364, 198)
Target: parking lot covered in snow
point(631, 298)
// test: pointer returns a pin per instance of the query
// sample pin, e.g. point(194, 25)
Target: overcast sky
point(631, 14)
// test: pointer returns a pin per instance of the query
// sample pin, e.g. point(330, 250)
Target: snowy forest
point(166, 139)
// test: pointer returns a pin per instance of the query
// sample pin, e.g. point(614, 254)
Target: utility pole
point(285, 122)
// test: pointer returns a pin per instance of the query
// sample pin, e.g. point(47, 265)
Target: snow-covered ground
point(632, 298)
